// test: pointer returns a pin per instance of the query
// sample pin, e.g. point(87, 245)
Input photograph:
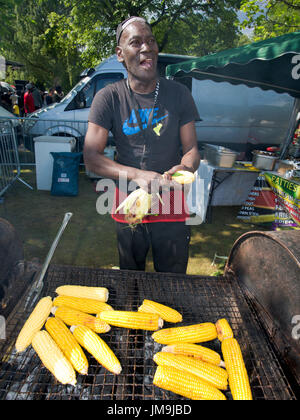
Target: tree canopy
point(271, 18)
point(57, 39)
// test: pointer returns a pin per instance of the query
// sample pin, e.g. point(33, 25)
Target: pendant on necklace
point(157, 129)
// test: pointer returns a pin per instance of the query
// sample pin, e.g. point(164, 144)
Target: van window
point(98, 83)
point(86, 95)
point(106, 79)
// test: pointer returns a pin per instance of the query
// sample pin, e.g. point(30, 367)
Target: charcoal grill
point(15, 272)
point(198, 298)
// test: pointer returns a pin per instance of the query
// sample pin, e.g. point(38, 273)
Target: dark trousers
point(169, 242)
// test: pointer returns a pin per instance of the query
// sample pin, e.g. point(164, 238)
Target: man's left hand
point(167, 176)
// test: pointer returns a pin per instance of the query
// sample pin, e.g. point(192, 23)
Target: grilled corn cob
point(90, 306)
point(166, 313)
point(237, 374)
point(223, 329)
point(53, 358)
point(73, 317)
point(196, 351)
point(197, 333)
point(213, 374)
point(131, 319)
point(68, 344)
point(97, 347)
point(98, 293)
point(34, 323)
point(185, 384)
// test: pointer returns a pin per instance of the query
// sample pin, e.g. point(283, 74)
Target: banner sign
point(287, 193)
point(273, 202)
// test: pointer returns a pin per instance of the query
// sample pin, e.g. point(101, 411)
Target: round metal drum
point(267, 266)
point(11, 249)
point(11, 253)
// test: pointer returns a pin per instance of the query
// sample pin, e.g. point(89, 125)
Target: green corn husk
point(136, 206)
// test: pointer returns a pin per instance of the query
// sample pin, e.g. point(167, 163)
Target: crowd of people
point(30, 99)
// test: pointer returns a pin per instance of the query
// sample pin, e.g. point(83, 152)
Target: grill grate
point(199, 299)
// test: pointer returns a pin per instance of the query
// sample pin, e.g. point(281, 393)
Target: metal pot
point(264, 160)
point(219, 156)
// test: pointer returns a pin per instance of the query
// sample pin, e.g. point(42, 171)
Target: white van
point(69, 117)
point(239, 117)
point(234, 116)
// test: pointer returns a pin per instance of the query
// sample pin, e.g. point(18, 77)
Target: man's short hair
point(127, 22)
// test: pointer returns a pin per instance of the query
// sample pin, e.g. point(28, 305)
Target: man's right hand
point(149, 181)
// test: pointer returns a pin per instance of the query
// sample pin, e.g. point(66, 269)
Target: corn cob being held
point(97, 348)
point(197, 333)
point(53, 358)
point(73, 317)
point(90, 306)
point(98, 293)
point(212, 374)
point(131, 319)
point(195, 350)
point(223, 329)
point(68, 344)
point(183, 177)
point(34, 323)
point(165, 312)
point(136, 206)
point(237, 373)
point(185, 384)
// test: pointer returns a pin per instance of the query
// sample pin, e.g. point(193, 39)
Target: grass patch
point(90, 240)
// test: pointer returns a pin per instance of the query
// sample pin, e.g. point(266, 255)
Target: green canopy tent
point(270, 64)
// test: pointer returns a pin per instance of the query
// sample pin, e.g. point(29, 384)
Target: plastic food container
point(219, 156)
point(264, 160)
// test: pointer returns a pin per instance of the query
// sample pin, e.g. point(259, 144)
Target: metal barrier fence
point(27, 129)
point(10, 168)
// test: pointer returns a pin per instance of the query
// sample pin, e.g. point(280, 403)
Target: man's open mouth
point(147, 63)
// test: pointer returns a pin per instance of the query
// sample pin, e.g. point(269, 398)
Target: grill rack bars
point(199, 299)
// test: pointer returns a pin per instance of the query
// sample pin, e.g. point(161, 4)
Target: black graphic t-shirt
point(156, 148)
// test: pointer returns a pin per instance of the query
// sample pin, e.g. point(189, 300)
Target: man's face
point(138, 50)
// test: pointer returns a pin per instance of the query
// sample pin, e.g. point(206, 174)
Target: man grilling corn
point(152, 121)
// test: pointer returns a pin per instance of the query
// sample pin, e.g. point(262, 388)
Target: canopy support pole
point(294, 120)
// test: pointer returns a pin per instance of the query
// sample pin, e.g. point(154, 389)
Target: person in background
point(21, 101)
point(49, 98)
point(58, 94)
point(15, 105)
point(37, 98)
point(152, 121)
point(29, 106)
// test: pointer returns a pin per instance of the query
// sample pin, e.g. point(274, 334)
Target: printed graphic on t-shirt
point(131, 125)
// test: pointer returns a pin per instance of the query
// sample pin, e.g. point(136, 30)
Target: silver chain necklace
point(145, 131)
point(155, 97)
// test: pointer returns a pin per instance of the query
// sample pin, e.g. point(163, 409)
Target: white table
point(216, 186)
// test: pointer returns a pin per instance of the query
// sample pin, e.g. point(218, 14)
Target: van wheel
point(61, 135)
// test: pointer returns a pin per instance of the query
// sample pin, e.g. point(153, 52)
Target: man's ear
point(119, 52)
